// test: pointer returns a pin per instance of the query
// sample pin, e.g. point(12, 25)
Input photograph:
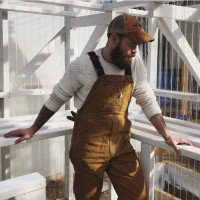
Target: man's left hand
point(174, 141)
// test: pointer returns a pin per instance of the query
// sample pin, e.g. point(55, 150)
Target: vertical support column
point(4, 63)
point(69, 50)
point(148, 164)
point(69, 53)
point(112, 194)
point(5, 160)
point(69, 171)
point(4, 87)
point(152, 48)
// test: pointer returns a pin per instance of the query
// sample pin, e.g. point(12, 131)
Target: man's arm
point(62, 92)
point(159, 123)
point(44, 115)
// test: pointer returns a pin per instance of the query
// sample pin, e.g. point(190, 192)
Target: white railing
point(141, 131)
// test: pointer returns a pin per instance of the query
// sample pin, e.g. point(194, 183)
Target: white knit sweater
point(81, 75)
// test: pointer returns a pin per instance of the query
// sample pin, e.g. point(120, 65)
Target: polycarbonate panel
point(176, 175)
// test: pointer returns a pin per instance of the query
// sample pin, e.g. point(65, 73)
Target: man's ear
point(114, 39)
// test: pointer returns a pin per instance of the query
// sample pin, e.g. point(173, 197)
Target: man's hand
point(44, 115)
point(24, 134)
point(174, 141)
point(159, 123)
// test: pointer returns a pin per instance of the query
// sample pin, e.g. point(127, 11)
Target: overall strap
point(97, 65)
point(95, 61)
point(128, 72)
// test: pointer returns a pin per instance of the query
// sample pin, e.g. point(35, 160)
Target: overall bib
point(101, 140)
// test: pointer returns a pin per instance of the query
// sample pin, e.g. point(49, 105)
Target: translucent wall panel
point(176, 175)
point(28, 34)
point(174, 75)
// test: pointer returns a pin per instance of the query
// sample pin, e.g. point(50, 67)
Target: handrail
point(157, 141)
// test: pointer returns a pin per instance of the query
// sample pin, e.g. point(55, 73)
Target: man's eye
point(133, 45)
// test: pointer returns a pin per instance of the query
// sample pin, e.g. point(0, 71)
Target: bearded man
point(103, 83)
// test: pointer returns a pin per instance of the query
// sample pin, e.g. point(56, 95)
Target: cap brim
point(140, 37)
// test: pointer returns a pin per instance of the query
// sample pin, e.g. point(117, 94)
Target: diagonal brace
point(37, 61)
point(173, 33)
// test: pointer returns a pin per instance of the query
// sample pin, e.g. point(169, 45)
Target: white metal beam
point(158, 141)
point(195, 6)
point(128, 4)
point(124, 4)
point(2, 94)
point(35, 10)
point(6, 163)
point(147, 160)
point(135, 12)
point(95, 38)
point(178, 95)
point(31, 92)
point(69, 53)
point(72, 3)
point(158, 92)
point(37, 61)
point(4, 62)
point(152, 49)
point(112, 195)
point(178, 41)
point(69, 170)
point(181, 13)
point(91, 20)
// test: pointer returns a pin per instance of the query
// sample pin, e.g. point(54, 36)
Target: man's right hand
point(24, 134)
point(44, 115)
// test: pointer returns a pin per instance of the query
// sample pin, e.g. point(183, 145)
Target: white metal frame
point(158, 15)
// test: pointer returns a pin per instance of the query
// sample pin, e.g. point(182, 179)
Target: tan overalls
point(101, 140)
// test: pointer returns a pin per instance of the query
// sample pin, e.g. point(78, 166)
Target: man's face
point(123, 53)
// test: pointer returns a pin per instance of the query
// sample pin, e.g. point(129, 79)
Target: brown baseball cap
point(128, 25)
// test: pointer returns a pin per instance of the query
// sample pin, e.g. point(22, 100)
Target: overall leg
point(127, 178)
point(88, 179)
point(90, 158)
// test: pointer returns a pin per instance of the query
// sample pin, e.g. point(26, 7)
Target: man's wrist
point(44, 115)
point(166, 136)
point(33, 129)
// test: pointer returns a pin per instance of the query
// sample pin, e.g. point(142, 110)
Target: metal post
point(69, 170)
point(4, 87)
point(4, 63)
point(148, 164)
point(112, 193)
point(69, 50)
point(152, 49)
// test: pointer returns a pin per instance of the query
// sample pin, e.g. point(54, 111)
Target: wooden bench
point(27, 187)
point(142, 131)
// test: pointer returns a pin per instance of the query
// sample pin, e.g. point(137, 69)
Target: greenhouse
point(43, 42)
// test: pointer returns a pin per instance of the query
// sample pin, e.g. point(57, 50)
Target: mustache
point(130, 56)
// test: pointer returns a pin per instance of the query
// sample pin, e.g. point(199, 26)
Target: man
point(102, 83)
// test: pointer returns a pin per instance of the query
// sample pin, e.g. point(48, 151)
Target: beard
point(120, 59)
